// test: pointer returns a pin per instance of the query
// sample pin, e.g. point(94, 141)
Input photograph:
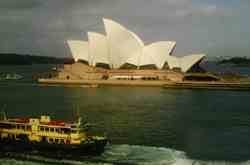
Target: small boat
point(46, 135)
point(11, 76)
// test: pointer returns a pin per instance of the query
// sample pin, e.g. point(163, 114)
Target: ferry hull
point(54, 150)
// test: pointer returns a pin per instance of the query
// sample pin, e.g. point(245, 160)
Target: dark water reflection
point(206, 124)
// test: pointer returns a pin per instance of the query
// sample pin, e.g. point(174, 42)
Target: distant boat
point(54, 68)
point(11, 76)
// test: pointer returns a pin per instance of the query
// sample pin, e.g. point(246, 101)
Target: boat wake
point(116, 155)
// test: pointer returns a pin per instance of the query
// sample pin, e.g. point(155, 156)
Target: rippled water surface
point(145, 125)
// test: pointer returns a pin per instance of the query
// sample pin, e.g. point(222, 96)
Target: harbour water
point(145, 125)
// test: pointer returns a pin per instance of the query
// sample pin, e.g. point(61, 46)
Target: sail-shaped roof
point(79, 50)
point(190, 60)
point(158, 51)
point(173, 62)
point(98, 48)
point(123, 44)
point(184, 63)
point(153, 54)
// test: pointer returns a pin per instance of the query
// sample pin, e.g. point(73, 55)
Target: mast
point(3, 113)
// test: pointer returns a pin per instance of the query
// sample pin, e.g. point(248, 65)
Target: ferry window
point(22, 127)
point(46, 129)
point(73, 131)
point(51, 129)
point(56, 140)
point(65, 130)
point(57, 130)
point(62, 141)
point(4, 125)
point(28, 127)
point(42, 128)
point(50, 140)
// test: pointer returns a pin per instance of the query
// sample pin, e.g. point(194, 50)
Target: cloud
point(44, 25)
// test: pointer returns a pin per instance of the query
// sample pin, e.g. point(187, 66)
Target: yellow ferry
point(44, 134)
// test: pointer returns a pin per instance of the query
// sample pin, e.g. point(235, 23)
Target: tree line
point(20, 59)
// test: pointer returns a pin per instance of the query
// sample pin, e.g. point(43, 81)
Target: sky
point(42, 27)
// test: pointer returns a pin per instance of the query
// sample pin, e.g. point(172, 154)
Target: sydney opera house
point(121, 55)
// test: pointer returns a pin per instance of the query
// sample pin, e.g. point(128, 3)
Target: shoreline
point(104, 82)
point(230, 85)
point(209, 85)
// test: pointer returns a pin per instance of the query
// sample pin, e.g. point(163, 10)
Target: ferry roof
point(51, 123)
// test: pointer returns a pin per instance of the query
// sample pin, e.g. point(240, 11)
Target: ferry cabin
point(42, 130)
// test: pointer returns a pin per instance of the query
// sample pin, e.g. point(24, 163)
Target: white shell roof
point(121, 46)
point(98, 48)
point(188, 61)
point(159, 51)
point(79, 50)
point(122, 43)
point(184, 63)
